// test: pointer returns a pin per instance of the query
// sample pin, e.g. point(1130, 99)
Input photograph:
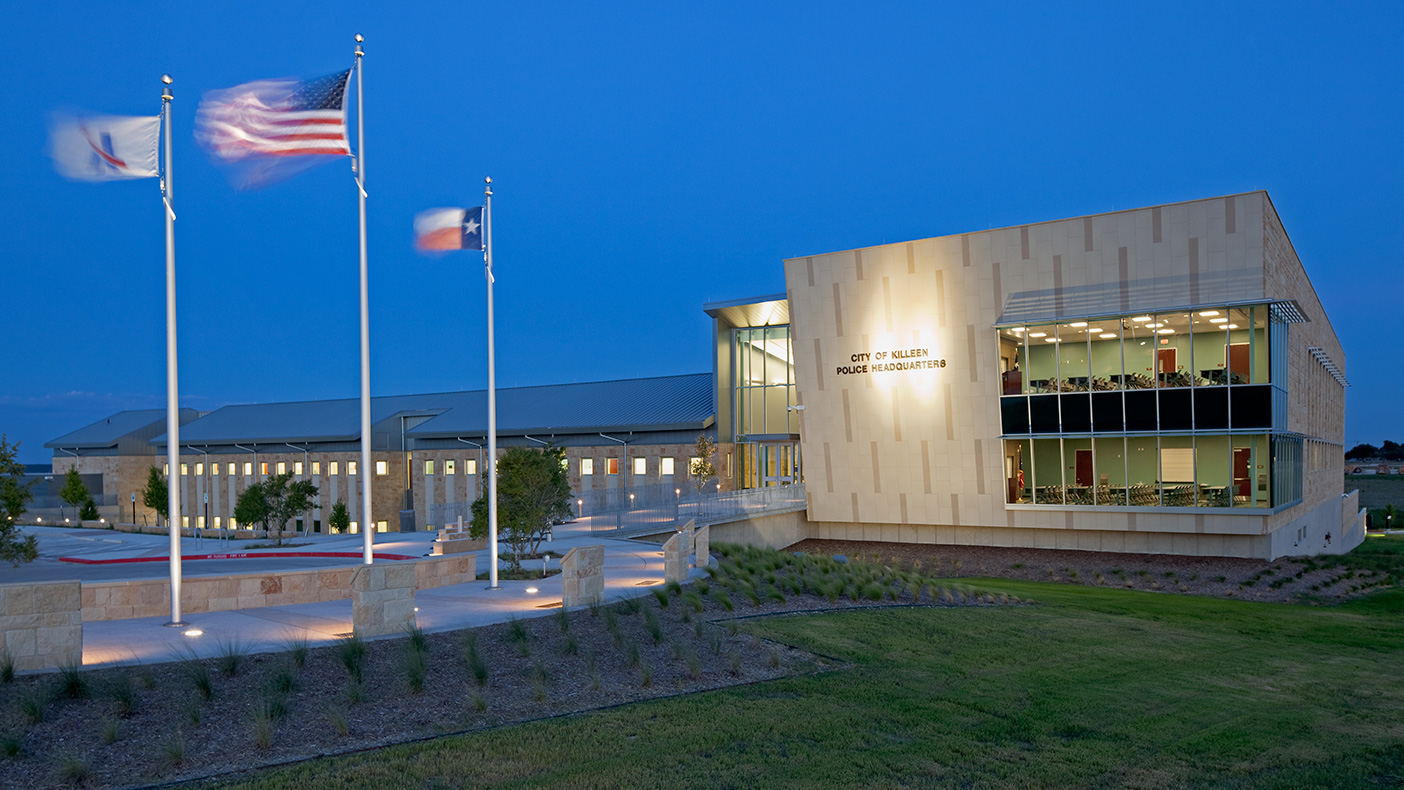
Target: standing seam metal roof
point(662, 403)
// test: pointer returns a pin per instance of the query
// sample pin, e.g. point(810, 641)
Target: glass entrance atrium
point(766, 427)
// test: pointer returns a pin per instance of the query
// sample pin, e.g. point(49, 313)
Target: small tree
point(74, 493)
point(89, 511)
point(273, 502)
point(155, 494)
point(14, 495)
point(702, 469)
point(340, 519)
point(533, 492)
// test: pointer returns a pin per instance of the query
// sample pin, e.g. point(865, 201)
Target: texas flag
point(105, 147)
point(449, 229)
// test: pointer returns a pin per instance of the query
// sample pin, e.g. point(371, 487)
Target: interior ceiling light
point(1165, 331)
point(1230, 326)
point(1108, 336)
point(1078, 325)
point(1218, 320)
point(1155, 326)
point(1038, 334)
point(1141, 319)
point(1018, 329)
point(1207, 313)
point(1050, 340)
point(1094, 330)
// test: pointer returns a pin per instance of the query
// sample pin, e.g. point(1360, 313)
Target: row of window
point(1203, 348)
point(380, 526)
point(281, 467)
point(609, 466)
point(1219, 471)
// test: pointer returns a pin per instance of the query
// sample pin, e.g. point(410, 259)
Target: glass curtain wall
point(1162, 409)
point(767, 448)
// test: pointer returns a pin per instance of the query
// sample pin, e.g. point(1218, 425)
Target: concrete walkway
point(631, 568)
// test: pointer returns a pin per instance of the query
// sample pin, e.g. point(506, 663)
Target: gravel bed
point(1285, 580)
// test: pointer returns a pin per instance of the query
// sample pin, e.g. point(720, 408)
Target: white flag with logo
point(105, 147)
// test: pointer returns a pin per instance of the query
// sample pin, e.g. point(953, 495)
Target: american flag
point(276, 118)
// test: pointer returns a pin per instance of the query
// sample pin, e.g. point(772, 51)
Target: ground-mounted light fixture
point(192, 632)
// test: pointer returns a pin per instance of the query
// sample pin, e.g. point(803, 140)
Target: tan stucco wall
point(923, 448)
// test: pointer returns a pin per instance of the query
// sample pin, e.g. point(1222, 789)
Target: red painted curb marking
point(243, 555)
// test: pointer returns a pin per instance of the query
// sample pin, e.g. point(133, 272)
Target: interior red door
point(1084, 467)
point(1242, 479)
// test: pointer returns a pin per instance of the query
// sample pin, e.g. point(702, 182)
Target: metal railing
point(613, 509)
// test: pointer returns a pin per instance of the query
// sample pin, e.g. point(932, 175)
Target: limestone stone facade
point(582, 576)
point(41, 625)
point(918, 455)
point(382, 600)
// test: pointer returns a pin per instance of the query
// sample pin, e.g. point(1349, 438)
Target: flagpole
point(492, 392)
point(367, 521)
point(172, 395)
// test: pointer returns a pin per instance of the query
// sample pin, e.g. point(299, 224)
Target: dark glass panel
point(1106, 411)
point(1077, 412)
point(1044, 410)
point(1014, 414)
point(1251, 405)
point(1176, 412)
point(1211, 408)
point(1140, 410)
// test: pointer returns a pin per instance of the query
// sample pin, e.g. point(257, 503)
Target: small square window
point(199, 470)
point(297, 468)
point(470, 466)
point(428, 468)
point(316, 468)
point(665, 466)
point(587, 466)
point(248, 468)
point(382, 467)
point(350, 467)
point(199, 522)
point(263, 467)
point(333, 468)
point(185, 522)
point(353, 527)
point(640, 466)
point(183, 470)
point(382, 526)
point(216, 522)
point(448, 467)
point(282, 468)
point(611, 466)
point(214, 469)
point(231, 467)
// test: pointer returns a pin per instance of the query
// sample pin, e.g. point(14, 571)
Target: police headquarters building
point(1154, 380)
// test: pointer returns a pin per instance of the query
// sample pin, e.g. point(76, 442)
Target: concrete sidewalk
point(631, 568)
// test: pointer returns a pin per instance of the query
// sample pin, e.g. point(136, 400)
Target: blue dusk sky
point(648, 158)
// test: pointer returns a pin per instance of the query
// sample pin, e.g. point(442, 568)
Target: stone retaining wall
point(41, 625)
point(151, 597)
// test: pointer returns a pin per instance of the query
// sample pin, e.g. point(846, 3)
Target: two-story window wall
point(767, 439)
point(1174, 409)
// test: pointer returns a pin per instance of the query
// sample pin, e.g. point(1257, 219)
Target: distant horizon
point(649, 160)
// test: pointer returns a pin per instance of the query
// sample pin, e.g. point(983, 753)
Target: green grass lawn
point(1089, 687)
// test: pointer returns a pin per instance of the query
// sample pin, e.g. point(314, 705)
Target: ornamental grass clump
point(34, 703)
point(198, 673)
point(122, 690)
point(351, 652)
point(231, 657)
point(72, 683)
